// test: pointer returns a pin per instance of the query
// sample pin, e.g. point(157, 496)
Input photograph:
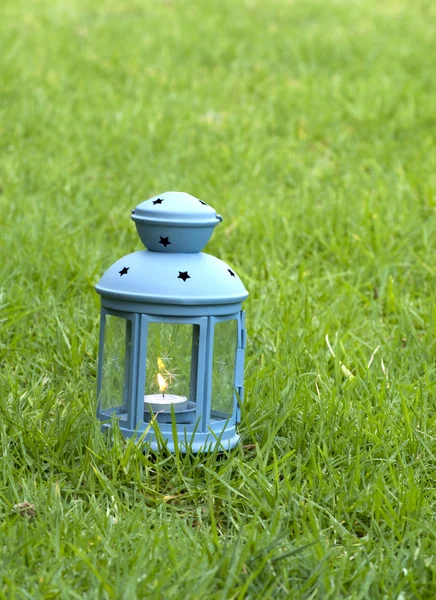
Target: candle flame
point(161, 383)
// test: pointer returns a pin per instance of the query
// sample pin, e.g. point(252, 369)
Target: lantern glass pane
point(172, 355)
point(116, 360)
point(223, 368)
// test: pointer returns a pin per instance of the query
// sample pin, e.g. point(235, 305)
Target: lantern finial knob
point(175, 222)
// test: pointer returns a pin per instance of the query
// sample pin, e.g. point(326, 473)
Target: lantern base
point(226, 439)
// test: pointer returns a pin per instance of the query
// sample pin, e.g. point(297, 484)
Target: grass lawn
point(310, 126)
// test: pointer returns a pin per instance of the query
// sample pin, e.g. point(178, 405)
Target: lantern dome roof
point(174, 226)
point(170, 278)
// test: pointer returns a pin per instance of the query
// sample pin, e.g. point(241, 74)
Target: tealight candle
point(159, 402)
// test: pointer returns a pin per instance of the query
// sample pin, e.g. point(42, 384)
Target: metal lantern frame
point(142, 288)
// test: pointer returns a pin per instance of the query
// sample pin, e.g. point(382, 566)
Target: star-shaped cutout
point(183, 275)
point(203, 203)
point(158, 201)
point(164, 241)
point(231, 272)
point(123, 271)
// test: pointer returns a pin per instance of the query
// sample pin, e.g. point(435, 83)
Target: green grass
point(310, 126)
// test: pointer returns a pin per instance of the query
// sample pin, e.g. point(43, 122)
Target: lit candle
point(160, 402)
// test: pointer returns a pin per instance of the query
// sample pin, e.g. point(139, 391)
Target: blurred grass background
point(310, 126)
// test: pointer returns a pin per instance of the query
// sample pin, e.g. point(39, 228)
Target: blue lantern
point(172, 336)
